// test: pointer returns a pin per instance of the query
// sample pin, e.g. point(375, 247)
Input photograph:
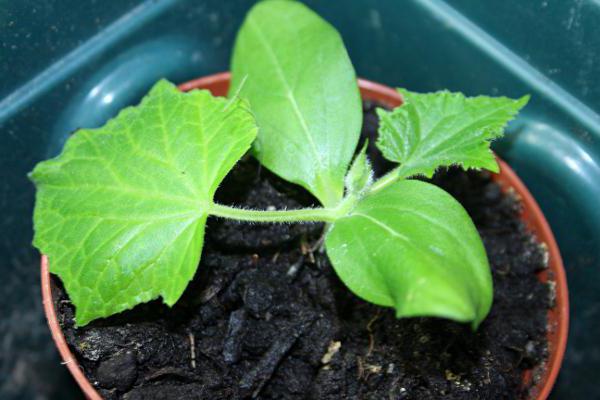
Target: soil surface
point(267, 318)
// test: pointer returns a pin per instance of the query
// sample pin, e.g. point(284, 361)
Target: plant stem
point(302, 214)
point(385, 180)
point(325, 214)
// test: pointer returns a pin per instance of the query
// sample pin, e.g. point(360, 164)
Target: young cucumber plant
point(121, 212)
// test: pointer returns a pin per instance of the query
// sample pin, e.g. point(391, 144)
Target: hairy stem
point(302, 214)
point(385, 180)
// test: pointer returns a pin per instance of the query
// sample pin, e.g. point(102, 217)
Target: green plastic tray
point(66, 64)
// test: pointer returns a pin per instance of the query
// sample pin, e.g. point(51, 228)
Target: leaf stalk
point(320, 214)
point(302, 214)
point(386, 180)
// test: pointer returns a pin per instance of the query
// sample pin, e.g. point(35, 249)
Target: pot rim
point(532, 215)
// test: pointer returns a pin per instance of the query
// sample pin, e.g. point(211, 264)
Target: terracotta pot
point(558, 317)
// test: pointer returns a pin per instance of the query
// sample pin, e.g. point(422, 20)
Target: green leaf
point(303, 92)
point(121, 212)
point(413, 247)
point(442, 129)
point(360, 174)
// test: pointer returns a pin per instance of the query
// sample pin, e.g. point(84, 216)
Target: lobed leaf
point(413, 247)
point(441, 129)
point(302, 88)
point(121, 212)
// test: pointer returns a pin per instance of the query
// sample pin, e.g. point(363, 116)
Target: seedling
point(121, 212)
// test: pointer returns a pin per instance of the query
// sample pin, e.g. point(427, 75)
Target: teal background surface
point(66, 64)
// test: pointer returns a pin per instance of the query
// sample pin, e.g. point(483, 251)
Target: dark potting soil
point(266, 317)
